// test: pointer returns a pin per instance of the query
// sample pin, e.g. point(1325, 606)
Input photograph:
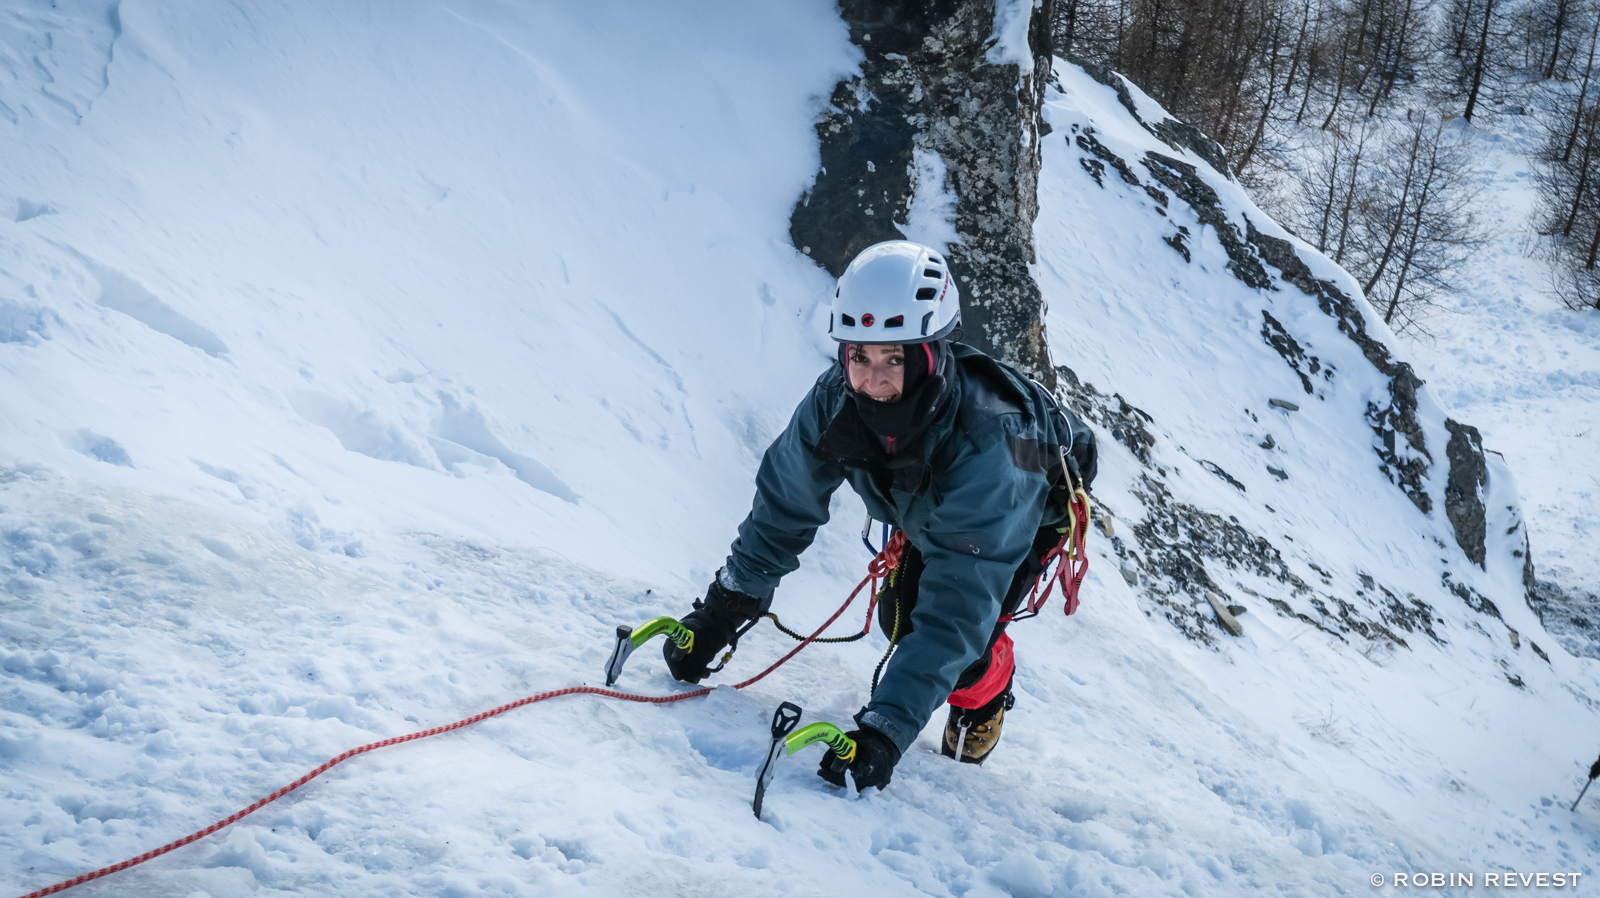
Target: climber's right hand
point(716, 621)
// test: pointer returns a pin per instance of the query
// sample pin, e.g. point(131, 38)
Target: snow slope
point(1507, 355)
point(362, 371)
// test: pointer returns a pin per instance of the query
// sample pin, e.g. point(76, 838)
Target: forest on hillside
point(1351, 120)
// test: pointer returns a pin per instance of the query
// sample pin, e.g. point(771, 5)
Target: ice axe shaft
point(630, 638)
point(1580, 795)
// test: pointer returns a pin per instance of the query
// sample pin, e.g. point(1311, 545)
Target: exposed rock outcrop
point(1571, 616)
point(927, 85)
point(1463, 489)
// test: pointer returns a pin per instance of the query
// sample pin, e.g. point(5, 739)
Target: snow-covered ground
point(361, 369)
point(1506, 355)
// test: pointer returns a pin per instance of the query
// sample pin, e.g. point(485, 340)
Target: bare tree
point(1390, 202)
point(1570, 207)
point(1332, 187)
point(1417, 226)
point(1551, 34)
point(1477, 49)
point(1585, 84)
point(1400, 47)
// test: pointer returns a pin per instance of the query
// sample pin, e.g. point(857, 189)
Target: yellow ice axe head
point(834, 738)
point(681, 636)
point(630, 638)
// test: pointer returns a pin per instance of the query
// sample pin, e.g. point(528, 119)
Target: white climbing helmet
point(895, 292)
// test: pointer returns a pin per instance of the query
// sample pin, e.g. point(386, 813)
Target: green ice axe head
point(843, 747)
point(630, 638)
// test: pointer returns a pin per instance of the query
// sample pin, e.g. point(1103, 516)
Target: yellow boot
point(976, 732)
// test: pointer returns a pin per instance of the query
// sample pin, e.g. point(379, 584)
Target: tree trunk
point(1070, 32)
point(1480, 60)
point(1400, 213)
point(1266, 105)
point(1583, 180)
point(1399, 49)
point(1555, 48)
point(1349, 197)
point(1327, 207)
point(1409, 254)
point(1583, 92)
point(1338, 93)
point(1299, 42)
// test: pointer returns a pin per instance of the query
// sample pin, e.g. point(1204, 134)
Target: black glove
point(1594, 772)
point(873, 765)
point(720, 618)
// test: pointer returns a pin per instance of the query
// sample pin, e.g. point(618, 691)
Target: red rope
point(878, 568)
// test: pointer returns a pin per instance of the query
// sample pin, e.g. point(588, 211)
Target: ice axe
point(630, 638)
point(792, 740)
point(1580, 795)
point(783, 723)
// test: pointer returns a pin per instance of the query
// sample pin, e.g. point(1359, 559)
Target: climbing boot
point(975, 733)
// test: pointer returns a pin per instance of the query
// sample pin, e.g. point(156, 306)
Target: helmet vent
point(927, 293)
point(935, 260)
point(896, 321)
point(847, 321)
point(934, 273)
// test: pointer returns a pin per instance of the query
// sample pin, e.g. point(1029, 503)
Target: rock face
point(1400, 443)
point(1463, 491)
point(927, 86)
point(1572, 617)
point(1400, 440)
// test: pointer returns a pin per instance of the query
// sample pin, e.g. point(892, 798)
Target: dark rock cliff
point(926, 85)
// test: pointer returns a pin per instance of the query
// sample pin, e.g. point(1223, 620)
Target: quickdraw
point(1070, 557)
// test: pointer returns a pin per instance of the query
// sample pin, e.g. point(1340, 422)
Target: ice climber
point(960, 452)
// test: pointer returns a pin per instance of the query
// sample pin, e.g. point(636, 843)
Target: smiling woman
point(877, 371)
point(959, 452)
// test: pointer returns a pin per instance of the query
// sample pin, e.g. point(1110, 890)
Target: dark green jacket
point(972, 500)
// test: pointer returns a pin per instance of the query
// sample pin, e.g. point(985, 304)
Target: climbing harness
point(1070, 557)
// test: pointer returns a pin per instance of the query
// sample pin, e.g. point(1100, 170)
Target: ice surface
point(509, 314)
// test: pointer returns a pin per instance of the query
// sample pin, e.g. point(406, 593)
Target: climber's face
point(877, 371)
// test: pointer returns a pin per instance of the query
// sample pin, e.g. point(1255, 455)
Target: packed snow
point(1506, 355)
point(361, 370)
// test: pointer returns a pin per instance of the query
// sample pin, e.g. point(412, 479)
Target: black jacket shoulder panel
point(990, 390)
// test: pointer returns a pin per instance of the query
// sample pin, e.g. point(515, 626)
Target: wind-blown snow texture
point(360, 370)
